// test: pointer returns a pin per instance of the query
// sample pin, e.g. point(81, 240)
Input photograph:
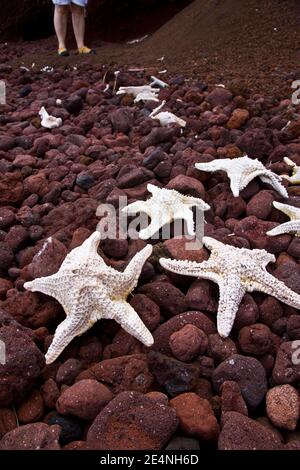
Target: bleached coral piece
point(165, 206)
point(241, 171)
point(236, 271)
point(295, 178)
point(47, 121)
point(293, 226)
point(166, 117)
point(89, 290)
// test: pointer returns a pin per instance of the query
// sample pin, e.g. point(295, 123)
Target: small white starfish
point(293, 226)
point(295, 178)
point(236, 271)
point(165, 206)
point(241, 171)
point(47, 121)
point(166, 117)
point(140, 93)
point(89, 290)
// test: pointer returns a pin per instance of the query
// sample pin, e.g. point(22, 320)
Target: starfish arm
point(236, 182)
point(196, 202)
point(274, 180)
point(153, 189)
point(206, 269)
point(270, 285)
point(137, 206)
point(231, 294)
point(134, 268)
point(292, 212)
point(129, 320)
point(186, 214)
point(47, 285)
point(71, 327)
point(156, 223)
point(83, 254)
point(287, 227)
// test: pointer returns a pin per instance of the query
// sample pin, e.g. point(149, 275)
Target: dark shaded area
point(108, 20)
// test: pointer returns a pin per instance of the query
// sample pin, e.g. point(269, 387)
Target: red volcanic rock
point(287, 364)
point(122, 120)
point(187, 185)
point(35, 436)
point(7, 217)
point(289, 273)
point(132, 421)
point(5, 285)
point(170, 299)
point(247, 372)
point(270, 311)
point(242, 433)
point(255, 339)
point(247, 313)
point(219, 97)
point(122, 373)
point(293, 327)
point(220, 348)
point(11, 188)
point(185, 248)
point(231, 398)
point(23, 364)
point(31, 409)
point(6, 257)
point(8, 421)
point(200, 296)
point(48, 259)
point(163, 333)
point(84, 399)
point(90, 350)
point(238, 118)
point(68, 371)
point(188, 343)
point(196, 416)
point(175, 376)
point(158, 135)
point(147, 310)
point(261, 204)
point(283, 406)
point(255, 143)
point(50, 393)
point(255, 231)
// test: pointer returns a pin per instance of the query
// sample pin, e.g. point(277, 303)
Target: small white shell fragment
point(47, 121)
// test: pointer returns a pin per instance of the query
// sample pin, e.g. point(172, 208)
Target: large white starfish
point(293, 226)
point(165, 206)
point(295, 178)
point(89, 290)
point(241, 171)
point(236, 271)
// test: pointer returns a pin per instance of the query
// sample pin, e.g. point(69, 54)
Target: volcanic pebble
point(239, 432)
point(132, 421)
point(196, 416)
point(231, 398)
point(247, 372)
point(283, 406)
point(35, 436)
point(188, 343)
point(255, 339)
point(84, 399)
point(287, 364)
point(31, 409)
point(220, 348)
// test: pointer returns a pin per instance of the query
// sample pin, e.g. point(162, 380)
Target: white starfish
point(166, 117)
point(47, 121)
point(165, 206)
point(293, 226)
point(141, 93)
point(89, 290)
point(241, 171)
point(236, 271)
point(295, 178)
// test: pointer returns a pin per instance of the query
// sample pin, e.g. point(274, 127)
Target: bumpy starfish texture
point(236, 271)
point(165, 206)
point(295, 178)
point(89, 290)
point(293, 226)
point(241, 171)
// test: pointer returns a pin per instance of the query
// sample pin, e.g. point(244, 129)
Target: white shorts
point(80, 3)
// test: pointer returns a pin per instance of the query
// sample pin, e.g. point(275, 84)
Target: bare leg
point(78, 21)
point(60, 24)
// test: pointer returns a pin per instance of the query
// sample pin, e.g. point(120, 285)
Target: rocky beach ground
point(192, 389)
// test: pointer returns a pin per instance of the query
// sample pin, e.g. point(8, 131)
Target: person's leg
point(60, 24)
point(78, 21)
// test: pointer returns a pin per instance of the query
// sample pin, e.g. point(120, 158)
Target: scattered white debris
point(136, 70)
point(166, 117)
point(58, 102)
point(160, 59)
point(141, 93)
point(158, 82)
point(163, 71)
point(22, 67)
point(286, 126)
point(46, 243)
point(106, 88)
point(47, 68)
point(33, 65)
point(134, 41)
point(220, 85)
point(47, 121)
